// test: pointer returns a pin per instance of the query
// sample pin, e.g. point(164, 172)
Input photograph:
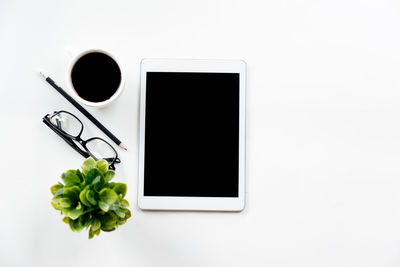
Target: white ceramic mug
point(75, 58)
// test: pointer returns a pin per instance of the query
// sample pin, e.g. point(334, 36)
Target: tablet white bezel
point(193, 203)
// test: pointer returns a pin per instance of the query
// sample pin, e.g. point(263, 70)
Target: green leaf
point(91, 176)
point(73, 213)
point(59, 192)
point(55, 188)
point(79, 174)
point(65, 219)
point(55, 202)
point(91, 233)
point(98, 182)
point(114, 206)
point(70, 178)
point(96, 224)
point(88, 164)
point(121, 222)
point(108, 196)
point(120, 213)
point(85, 219)
point(125, 203)
point(120, 188)
point(82, 197)
point(72, 193)
point(90, 197)
point(65, 202)
point(109, 175)
point(127, 214)
point(108, 220)
point(102, 165)
point(104, 206)
point(71, 225)
point(108, 229)
point(75, 225)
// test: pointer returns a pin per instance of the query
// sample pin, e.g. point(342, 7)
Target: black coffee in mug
point(96, 77)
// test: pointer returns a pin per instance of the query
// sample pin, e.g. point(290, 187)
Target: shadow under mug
point(72, 67)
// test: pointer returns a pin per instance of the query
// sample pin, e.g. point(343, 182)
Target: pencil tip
point(42, 75)
point(123, 147)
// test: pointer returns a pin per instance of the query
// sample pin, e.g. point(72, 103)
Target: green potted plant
point(87, 198)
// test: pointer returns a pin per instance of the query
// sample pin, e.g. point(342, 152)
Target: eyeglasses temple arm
point(66, 139)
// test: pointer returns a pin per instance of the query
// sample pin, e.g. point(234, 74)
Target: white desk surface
point(323, 131)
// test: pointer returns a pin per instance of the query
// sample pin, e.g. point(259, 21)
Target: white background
point(323, 131)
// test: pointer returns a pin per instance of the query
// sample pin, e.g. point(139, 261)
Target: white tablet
point(192, 135)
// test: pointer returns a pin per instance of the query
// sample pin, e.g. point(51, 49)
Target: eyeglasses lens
point(67, 123)
point(101, 150)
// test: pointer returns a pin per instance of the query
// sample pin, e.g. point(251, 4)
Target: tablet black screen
point(192, 134)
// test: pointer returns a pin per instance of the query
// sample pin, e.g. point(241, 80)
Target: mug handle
point(70, 51)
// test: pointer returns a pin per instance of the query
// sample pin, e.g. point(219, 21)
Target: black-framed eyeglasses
point(70, 128)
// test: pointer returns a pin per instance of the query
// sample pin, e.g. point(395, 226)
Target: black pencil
point(84, 111)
